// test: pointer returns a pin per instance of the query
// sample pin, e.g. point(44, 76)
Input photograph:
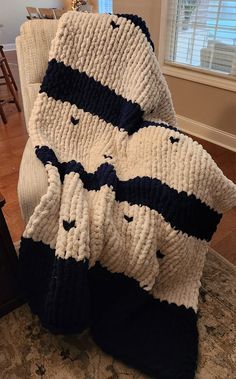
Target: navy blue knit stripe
point(66, 84)
point(184, 212)
point(156, 337)
point(138, 21)
point(56, 288)
point(153, 336)
point(63, 83)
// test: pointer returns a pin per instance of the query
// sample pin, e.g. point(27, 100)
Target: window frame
point(187, 72)
point(100, 5)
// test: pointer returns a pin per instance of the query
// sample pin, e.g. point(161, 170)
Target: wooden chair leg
point(9, 85)
point(8, 68)
point(10, 74)
point(2, 114)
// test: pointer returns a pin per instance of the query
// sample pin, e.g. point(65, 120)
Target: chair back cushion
point(32, 46)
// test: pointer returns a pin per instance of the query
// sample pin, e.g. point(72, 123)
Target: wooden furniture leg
point(8, 83)
point(8, 67)
point(2, 114)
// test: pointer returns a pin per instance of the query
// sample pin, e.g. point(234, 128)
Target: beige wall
point(94, 4)
point(13, 14)
point(210, 105)
point(206, 104)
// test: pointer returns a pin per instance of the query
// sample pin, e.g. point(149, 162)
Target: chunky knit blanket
point(118, 242)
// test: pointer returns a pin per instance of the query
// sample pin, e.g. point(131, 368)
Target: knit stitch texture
point(128, 194)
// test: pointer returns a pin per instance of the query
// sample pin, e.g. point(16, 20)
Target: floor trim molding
point(207, 132)
point(9, 46)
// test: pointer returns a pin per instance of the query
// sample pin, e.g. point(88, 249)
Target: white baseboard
point(9, 46)
point(206, 132)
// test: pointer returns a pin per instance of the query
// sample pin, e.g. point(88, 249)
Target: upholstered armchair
point(32, 46)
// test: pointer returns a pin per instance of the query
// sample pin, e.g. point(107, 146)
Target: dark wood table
point(10, 294)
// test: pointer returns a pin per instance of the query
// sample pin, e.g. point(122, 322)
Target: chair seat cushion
point(32, 183)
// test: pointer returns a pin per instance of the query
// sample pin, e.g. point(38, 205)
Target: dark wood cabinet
point(10, 294)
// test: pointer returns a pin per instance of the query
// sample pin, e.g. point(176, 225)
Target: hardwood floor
point(13, 137)
point(224, 240)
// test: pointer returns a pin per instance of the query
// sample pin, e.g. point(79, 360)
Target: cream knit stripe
point(74, 208)
point(129, 246)
point(43, 224)
point(183, 165)
point(224, 190)
point(179, 278)
point(80, 138)
point(99, 205)
point(135, 70)
point(40, 114)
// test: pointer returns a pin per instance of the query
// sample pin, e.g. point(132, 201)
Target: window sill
point(200, 76)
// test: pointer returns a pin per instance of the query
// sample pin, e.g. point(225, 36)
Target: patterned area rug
point(28, 351)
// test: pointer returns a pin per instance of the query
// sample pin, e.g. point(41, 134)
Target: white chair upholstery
point(32, 46)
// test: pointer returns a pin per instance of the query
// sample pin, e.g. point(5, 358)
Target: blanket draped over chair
point(117, 244)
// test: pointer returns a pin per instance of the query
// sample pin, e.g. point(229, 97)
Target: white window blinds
point(105, 6)
point(202, 34)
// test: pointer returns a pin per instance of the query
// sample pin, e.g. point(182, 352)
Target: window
point(201, 34)
point(105, 6)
